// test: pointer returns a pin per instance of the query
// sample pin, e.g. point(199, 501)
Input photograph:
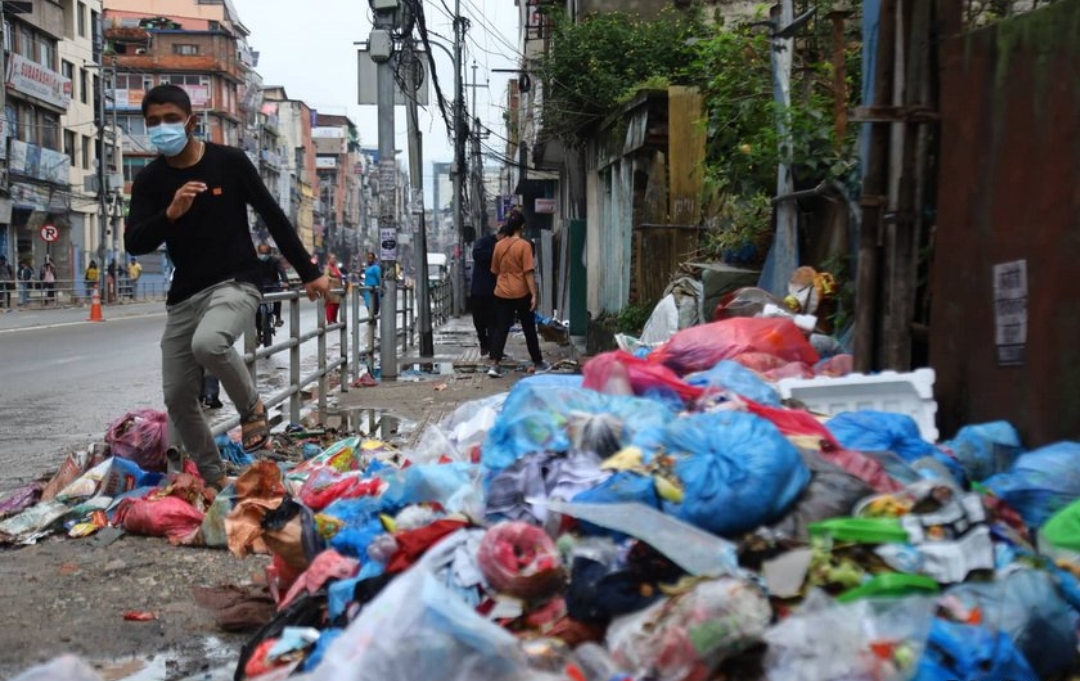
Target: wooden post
point(839, 61)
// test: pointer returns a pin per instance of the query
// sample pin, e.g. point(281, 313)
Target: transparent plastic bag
point(868, 640)
point(691, 634)
point(418, 628)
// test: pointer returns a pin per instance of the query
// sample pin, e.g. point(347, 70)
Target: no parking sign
point(49, 233)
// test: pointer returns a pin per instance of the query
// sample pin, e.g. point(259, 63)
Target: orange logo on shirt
point(216, 191)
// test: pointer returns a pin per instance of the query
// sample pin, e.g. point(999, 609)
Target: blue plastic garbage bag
point(360, 524)
point(534, 418)
point(1029, 608)
point(321, 646)
point(986, 449)
point(1041, 482)
point(963, 652)
point(738, 379)
point(232, 452)
point(737, 471)
point(879, 431)
point(447, 484)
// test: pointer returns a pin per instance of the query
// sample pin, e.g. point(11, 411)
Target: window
point(80, 18)
point(186, 50)
point(69, 145)
point(25, 113)
point(87, 151)
point(26, 43)
point(97, 86)
point(84, 87)
point(132, 125)
point(68, 70)
point(48, 129)
point(9, 37)
point(47, 54)
point(133, 165)
point(95, 27)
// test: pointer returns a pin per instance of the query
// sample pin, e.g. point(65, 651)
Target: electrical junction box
point(380, 46)
point(384, 5)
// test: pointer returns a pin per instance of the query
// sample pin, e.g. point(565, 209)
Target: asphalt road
point(63, 381)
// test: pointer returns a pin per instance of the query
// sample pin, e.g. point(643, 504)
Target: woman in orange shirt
point(516, 294)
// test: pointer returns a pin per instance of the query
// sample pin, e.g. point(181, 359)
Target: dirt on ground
point(71, 595)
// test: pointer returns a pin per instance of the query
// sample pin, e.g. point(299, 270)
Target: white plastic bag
point(64, 668)
point(663, 322)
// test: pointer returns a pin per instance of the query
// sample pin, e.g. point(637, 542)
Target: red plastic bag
point(789, 370)
point(521, 560)
point(840, 365)
point(759, 362)
point(326, 485)
point(141, 436)
point(702, 347)
point(169, 517)
point(613, 372)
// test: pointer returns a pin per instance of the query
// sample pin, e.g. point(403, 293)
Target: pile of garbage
point(665, 516)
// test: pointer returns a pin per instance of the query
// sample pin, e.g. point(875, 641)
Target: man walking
point(483, 290)
point(516, 294)
point(194, 198)
point(26, 278)
point(7, 282)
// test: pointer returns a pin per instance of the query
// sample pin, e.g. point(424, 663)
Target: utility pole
point(416, 172)
point(103, 189)
point(381, 46)
point(479, 203)
point(459, 283)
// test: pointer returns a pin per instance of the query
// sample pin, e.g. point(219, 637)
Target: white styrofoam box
point(908, 393)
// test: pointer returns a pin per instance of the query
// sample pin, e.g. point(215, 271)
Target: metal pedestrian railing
point(358, 352)
point(35, 294)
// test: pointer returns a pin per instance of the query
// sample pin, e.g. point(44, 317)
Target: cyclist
point(274, 277)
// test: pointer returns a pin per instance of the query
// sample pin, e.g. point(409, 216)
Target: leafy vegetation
point(597, 65)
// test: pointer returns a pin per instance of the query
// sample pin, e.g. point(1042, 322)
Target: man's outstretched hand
point(319, 288)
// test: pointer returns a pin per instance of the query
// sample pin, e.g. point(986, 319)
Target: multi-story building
point(80, 54)
point(36, 95)
point(337, 147)
point(294, 125)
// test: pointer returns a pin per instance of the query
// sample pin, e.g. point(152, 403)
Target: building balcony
point(177, 63)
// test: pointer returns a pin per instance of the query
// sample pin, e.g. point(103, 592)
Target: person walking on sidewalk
point(48, 279)
point(516, 294)
point(483, 290)
point(372, 280)
point(90, 278)
point(26, 280)
point(7, 282)
point(337, 281)
point(194, 198)
point(134, 273)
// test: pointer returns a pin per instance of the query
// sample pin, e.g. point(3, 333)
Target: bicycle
point(264, 324)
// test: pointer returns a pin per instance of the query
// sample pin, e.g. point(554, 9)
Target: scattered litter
point(669, 515)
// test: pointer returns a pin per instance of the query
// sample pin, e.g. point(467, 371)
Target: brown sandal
point(255, 429)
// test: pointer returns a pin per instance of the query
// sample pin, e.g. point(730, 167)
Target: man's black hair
point(167, 94)
point(515, 221)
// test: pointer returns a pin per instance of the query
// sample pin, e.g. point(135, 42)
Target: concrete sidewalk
point(399, 411)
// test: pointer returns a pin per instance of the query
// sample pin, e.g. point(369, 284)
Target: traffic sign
point(49, 233)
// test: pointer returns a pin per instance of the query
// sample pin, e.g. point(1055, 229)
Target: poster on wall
point(1010, 312)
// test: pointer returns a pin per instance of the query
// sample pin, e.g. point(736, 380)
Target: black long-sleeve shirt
point(211, 243)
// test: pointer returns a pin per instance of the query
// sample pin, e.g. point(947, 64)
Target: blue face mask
point(264, 256)
point(169, 138)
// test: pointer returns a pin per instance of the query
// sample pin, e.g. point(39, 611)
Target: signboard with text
point(33, 79)
point(1010, 312)
point(388, 243)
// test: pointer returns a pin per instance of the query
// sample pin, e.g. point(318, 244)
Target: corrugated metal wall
point(1010, 191)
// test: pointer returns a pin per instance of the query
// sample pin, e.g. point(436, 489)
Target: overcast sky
point(310, 52)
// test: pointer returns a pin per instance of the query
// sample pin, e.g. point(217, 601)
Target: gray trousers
point(200, 333)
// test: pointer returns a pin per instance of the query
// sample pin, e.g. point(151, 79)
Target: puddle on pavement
point(375, 423)
point(218, 657)
point(436, 369)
